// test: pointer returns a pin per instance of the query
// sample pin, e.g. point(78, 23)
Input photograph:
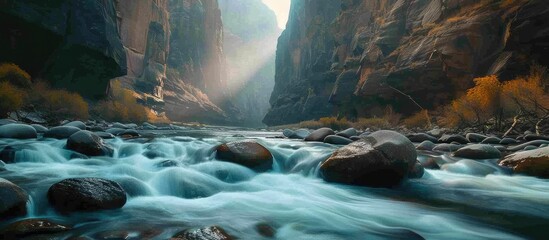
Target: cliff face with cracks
point(379, 51)
point(170, 52)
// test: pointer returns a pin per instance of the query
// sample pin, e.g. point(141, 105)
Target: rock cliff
point(358, 56)
point(250, 36)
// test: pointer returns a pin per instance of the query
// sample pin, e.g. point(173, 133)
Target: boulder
point(207, 233)
point(491, 140)
point(475, 137)
point(453, 138)
point(417, 171)
point(426, 146)
point(28, 227)
point(39, 128)
point(478, 151)
point(13, 200)
point(533, 163)
point(86, 194)
point(421, 137)
point(17, 131)
point(382, 159)
point(89, 144)
point(319, 135)
point(338, 140)
point(6, 121)
point(78, 124)
point(61, 132)
point(246, 153)
point(347, 133)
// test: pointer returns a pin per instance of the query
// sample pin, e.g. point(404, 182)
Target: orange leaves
point(11, 98)
point(123, 107)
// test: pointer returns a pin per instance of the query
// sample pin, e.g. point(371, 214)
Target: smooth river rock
point(206, 233)
point(17, 131)
point(246, 153)
point(338, 140)
point(86, 194)
point(475, 137)
point(382, 159)
point(319, 135)
point(453, 138)
point(478, 151)
point(533, 163)
point(61, 132)
point(78, 124)
point(348, 133)
point(89, 144)
point(28, 227)
point(421, 137)
point(13, 200)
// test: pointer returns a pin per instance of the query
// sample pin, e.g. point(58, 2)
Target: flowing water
point(465, 200)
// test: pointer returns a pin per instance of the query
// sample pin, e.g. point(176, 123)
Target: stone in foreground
point(13, 200)
point(478, 151)
point(86, 194)
point(533, 163)
point(30, 227)
point(382, 159)
point(246, 153)
point(207, 233)
point(89, 144)
point(17, 131)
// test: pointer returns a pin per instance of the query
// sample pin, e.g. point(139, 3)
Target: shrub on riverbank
point(57, 105)
point(122, 106)
point(11, 98)
point(13, 74)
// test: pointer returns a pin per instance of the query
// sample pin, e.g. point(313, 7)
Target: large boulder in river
point(86, 194)
point(246, 153)
point(533, 163)
point(28, 227)
point(89, 144)
point(319, 135)
point(13, 200)
point(382, 159)
point(478, 151)
point(61, 132)
point(207, 233)
point(17, 131)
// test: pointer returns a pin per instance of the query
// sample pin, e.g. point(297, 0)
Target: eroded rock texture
point(354, 58)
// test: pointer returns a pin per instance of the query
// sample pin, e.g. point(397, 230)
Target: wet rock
point(13, 200)
point(78, 124)
point(508, 141)
point(447, 147)
point(429, 163)
point(104, 135)
point(115, 131)
point(533, 163)
point(319, 135)
point(265, 230)
point(475, 137)
point(529, 147)
point(6, 121)
point(148, 126)
point(61, 132)
point(347, 133)
point(300, 134)
point(129, 133)
point(437, 132)
point(426, 146)
point(17, 131)
point(207, 233)
point(536, 143)
point(89, 144)
point(417, 171)
point(86, 194)
point(478, 151)
point(382, 159)
point(31, 227)
point(355, 138)
point(119, 125)
point(246, 153)
point(338, 140)
point(288, 133)
point(39, 128)
point(533, 137)
point(500, 148)
point(421, 137)
point(453, 138)
point(491, 140)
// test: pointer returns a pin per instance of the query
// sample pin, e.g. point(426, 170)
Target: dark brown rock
point(13, 200)
point(319, 135)
point(207, 233)
point(31, 227)
point(533, 163)
point(86, 194)
point(246, 153)
point(89, 144)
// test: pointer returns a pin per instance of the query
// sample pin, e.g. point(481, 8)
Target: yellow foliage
point(373, 123)
point(11, 98)
point(13, 74)
point(526, 94)
point(123, 106)
point(58, 104)
point(419, 120)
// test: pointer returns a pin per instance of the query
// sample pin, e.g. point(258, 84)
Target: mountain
point(250, 36)
point(353, 58)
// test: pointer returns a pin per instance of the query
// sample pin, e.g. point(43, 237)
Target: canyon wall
point(354, 59)
point(250, 36)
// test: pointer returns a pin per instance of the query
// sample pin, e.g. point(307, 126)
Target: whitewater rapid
point(184, 186)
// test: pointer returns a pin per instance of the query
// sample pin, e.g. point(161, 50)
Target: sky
point(281, 9)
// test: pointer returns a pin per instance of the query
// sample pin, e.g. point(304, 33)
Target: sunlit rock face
point(249, 43)
point(175, 58)
point(430, 50)
point(73, 44)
